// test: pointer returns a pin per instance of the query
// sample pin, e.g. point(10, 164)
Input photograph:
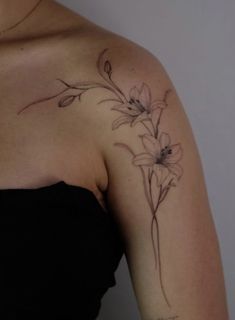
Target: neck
point(16, 15)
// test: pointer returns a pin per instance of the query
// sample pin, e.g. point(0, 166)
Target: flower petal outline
point(141, 117)
point(121, 120)
point(127, 108)
point(143, 159)
point(176, 154)
point(151, 145)
point(145, 95)
point(162, 173)
point(165, 139)
point(134, 93)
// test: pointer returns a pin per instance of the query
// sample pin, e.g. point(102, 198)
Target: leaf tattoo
point(159, 161)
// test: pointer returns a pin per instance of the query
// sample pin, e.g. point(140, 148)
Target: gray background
point(194, 40)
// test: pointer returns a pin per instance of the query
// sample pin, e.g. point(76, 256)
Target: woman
point(97, 160)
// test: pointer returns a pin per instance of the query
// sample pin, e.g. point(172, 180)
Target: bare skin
point(49, 133)
point(46, 146)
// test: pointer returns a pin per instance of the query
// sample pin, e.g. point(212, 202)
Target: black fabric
point(59, 251)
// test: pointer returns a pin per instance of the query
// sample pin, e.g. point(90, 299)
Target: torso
point(46, 144)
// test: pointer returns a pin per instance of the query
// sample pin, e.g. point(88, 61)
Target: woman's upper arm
point(156, 191)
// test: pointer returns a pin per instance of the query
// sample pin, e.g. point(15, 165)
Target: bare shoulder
point(123, 86)
point(107, 65)
point(105, 70)
point(124, 91)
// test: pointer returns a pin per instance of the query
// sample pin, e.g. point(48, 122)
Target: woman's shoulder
point(104, 69)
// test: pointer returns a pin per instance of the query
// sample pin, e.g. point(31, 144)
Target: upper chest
point(43, 133)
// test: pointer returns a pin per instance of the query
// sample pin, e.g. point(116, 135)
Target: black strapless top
point(59, 251)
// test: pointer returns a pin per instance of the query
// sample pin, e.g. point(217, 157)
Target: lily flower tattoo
point(159, 161)
point(139, 107)
point(161, 156)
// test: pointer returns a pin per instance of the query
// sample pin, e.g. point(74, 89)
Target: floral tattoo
point(159, 162)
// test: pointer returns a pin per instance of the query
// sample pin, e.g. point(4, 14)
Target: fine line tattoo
point(159, 162)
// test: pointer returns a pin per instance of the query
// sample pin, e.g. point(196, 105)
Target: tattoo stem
point(159, 263)
point(93, 85)
point(158, 245)
point(41, 100)
point(157, 254)
point(147, 128)
point(118, 89)
point(109, 80)
point(158, 122)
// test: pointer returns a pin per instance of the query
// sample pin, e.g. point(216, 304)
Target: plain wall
point(194, 40)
